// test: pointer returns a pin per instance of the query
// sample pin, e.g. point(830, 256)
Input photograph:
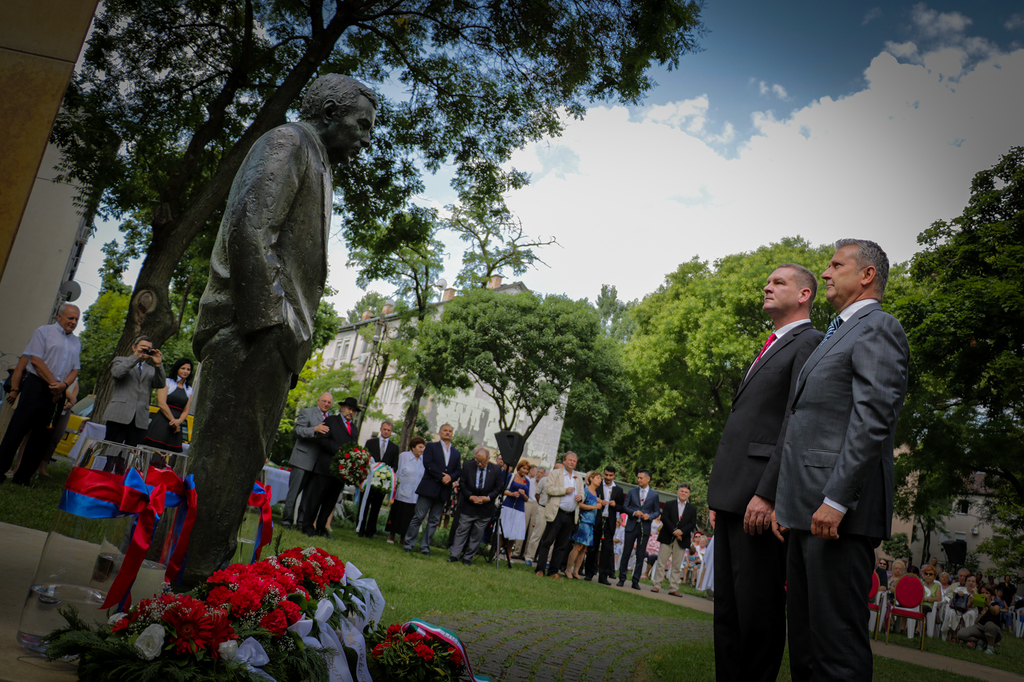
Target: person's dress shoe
point(452, 559)
point(406, 549)
point(309, 532)
point(425, 552)
point(555, 576)
point(620, 583)
point(635, 586)
point(603, 581)
point(529, 563)
point(323, 534)
point(286, 524)
point(654, 589)
point(673, 593)
point(467, 562)
point(540, 574)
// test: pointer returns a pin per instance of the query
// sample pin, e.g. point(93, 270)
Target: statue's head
point(343, 111)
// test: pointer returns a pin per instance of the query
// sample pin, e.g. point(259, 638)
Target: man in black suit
point(383, 450)
point(442, 466)
point(324, 489)
point(600, 559)
point(749, 562)
point(678, 521)
point(835, 489)
point(479, 485)
point(642, 506)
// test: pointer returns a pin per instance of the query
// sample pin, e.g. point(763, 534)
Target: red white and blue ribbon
point(181, 493)
point(260, 497)
point(424, 628)
point(105, 495)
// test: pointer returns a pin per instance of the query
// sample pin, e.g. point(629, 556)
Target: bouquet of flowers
point(400, 653)
point(236, 627)
point(383, 479)
point(351, 464)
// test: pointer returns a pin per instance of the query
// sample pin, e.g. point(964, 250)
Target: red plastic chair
point(873, 601)
point(909, 595)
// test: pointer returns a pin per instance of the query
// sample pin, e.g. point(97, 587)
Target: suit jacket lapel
point(775, 348)
point(823, 350)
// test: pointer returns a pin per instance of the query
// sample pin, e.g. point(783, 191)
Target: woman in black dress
point(173, 403)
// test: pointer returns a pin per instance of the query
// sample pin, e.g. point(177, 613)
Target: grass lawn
point(419, 586)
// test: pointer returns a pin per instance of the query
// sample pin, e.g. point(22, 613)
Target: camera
point(149, 351)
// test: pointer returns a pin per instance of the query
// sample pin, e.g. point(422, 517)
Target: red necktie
point(348, 426)
point(771, 337)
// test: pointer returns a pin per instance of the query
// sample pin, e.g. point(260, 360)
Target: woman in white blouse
point(408, 475)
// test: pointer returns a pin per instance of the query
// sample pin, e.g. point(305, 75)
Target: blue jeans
point(429, 508)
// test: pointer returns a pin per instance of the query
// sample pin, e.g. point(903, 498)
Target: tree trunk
point(413, 411)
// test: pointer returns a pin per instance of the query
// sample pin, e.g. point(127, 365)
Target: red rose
point(455, 656)
point(244, 603)
point(219, 595)
point(425, 652)
point(275, 622)
point(291, 611)
point(347, 456)
point(392, 629)
point(378, 651)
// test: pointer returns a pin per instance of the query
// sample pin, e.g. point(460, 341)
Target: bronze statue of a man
point(255, 326)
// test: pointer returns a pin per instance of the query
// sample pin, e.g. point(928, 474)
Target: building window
point(344, 350)
point(962, 506)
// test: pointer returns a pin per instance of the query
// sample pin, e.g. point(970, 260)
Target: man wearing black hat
point(325, 488)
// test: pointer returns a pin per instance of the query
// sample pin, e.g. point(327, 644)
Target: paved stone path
point(557, 646)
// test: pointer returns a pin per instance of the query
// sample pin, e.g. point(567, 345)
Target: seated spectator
point(618, 538)
point(960, 611)
point(882, 571)
point(653, 548)
point(898, 568)
point(932, 593)
point(985, 632)
point(691, 562)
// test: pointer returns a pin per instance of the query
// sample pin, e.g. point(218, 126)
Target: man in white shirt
point(565, 492)
point(539, 521)
point(680, 518)
point(53, 366)
point(642, 507)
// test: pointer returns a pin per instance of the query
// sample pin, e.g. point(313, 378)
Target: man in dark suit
point(678, 521)
point(835, 490)
point(480, 484)
point(382, 449)
point(325, 488)
point(642, 506)
point(442, 466)
point(750, 603)
point(600, 559)
point(309, 429)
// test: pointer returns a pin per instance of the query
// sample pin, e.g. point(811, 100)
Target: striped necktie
point(832, 327)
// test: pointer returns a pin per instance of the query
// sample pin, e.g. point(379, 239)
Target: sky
point(823, 120)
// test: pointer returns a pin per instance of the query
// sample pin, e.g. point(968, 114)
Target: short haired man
point(539, 521)
point(679, 519)
point(135, 377)
point(268, 270)
point(324, 489)
point(442, 466)
point(479, 485)
point(642, 507)
point(382, 449)
point(309, 426)
point(53, 365)
point(565, 492)
point(835, 488)
point(600, 559)
point(750, 606)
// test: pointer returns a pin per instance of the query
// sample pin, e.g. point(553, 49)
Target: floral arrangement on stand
point(295, 616)
point(351, 464)
point(383, 479)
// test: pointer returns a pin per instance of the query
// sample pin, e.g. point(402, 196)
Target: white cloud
point(1015, 22)
point(775, 89)
point(691, 116)
point(935, 24)
point(872, 14)
point(907, 50)
point(883, 163)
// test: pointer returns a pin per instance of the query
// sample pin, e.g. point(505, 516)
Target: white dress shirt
point(55, 347)
point(568, 501)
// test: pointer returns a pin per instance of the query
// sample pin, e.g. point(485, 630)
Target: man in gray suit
point(835, 490)
point(749, 562)
point(254, 331)
point(135, 377)
point(309, 425)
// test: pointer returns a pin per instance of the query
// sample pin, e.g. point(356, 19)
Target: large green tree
point(694, 338)
point(524, 351)
point(965, 405)
point(170, 96)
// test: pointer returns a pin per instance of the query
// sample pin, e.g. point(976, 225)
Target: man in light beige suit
point(565, 492)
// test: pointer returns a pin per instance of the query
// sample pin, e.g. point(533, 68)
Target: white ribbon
point(253, 655)
point(369, 600)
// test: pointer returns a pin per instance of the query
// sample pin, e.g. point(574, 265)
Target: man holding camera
point(135, 376)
